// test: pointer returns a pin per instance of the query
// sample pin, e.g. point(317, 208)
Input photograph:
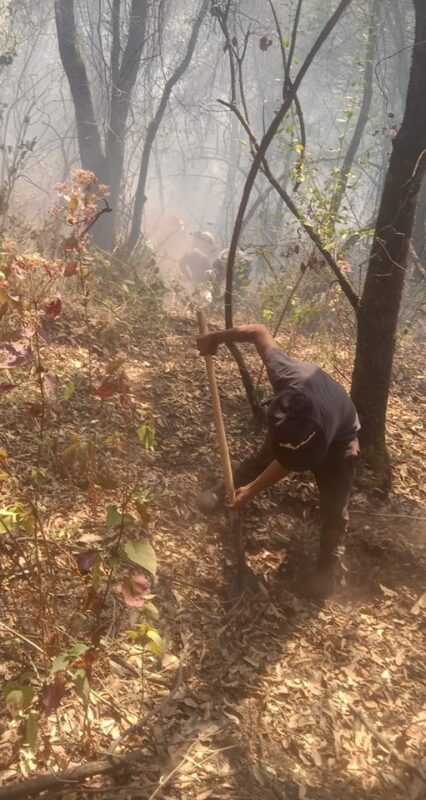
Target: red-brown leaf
point(134, 590)
point(71, 244)
point(94, 601)
point(70, 268)
point(111, 386)
point(54, 308)
point(86, 560)
point(51, 695)
point(20, 354)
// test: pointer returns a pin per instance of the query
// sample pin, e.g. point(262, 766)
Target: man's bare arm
point(273, 474)
point(255, 334)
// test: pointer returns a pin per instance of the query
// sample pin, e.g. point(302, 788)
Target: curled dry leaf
point(134, 590)
point(51, 384)
point(70, 269)
point(86, 560)
point(54, 308)
point(52, 694)
point(19, 355)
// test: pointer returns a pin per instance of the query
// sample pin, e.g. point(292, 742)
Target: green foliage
point(64, 659)
point(146, 434)
point(16, 516)
point(82, 686)
point(143, 554)
point(18, 696)
point(148, 637)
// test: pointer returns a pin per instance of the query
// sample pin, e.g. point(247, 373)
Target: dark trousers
point(334, 478)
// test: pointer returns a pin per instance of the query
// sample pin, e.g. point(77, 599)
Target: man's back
point(337, 415)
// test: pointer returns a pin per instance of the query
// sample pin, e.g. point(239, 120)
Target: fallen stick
point(65, 778)
point(382, 739)
point(141, 723)
point(167, 778)
point(62, 780)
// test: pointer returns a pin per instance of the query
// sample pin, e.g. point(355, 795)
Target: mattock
point(245, 578)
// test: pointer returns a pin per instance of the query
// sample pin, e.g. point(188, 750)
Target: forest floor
point(278, 697)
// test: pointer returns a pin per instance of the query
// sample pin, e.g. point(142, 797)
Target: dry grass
point(280, 697)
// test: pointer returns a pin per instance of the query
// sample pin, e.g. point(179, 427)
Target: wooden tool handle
point(217, 412)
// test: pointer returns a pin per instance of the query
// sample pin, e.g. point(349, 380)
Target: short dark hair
point(294, 427)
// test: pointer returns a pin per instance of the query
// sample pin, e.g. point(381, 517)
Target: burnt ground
point(279, 697)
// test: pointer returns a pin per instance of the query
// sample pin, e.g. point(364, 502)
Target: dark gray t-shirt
point(337, 415)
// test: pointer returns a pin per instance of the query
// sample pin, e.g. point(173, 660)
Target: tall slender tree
point(125, 58)
point(381, 298)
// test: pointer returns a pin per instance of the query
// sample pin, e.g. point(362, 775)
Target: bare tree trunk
point(89, 140)
point(107, 166)
point(123, 78)
point(154, 126)
point(380, 302)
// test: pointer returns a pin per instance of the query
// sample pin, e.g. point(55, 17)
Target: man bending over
point(312, 425)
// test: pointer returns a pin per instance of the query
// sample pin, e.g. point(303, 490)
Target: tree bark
point(381, 298)
point(89, 140)
point(123, 79)
point(108, 165)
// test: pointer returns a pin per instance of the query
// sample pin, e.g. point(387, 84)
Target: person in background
point(312, 424)
point(196, 265)
point(242, 272)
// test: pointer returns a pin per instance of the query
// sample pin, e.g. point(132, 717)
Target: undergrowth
point(76, 421)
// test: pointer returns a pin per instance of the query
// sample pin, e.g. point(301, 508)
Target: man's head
point(295, 430)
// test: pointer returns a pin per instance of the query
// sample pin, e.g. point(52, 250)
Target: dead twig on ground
point(383, 741)
point(155, 712)
point(77, 775)
point(167, 778)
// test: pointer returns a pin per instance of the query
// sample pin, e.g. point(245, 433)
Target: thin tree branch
point(263, 147)
point(294, 35)
point(288, 85)
point(284, 309)
point(342, 180)
point(155, 123)
point(308, 227)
